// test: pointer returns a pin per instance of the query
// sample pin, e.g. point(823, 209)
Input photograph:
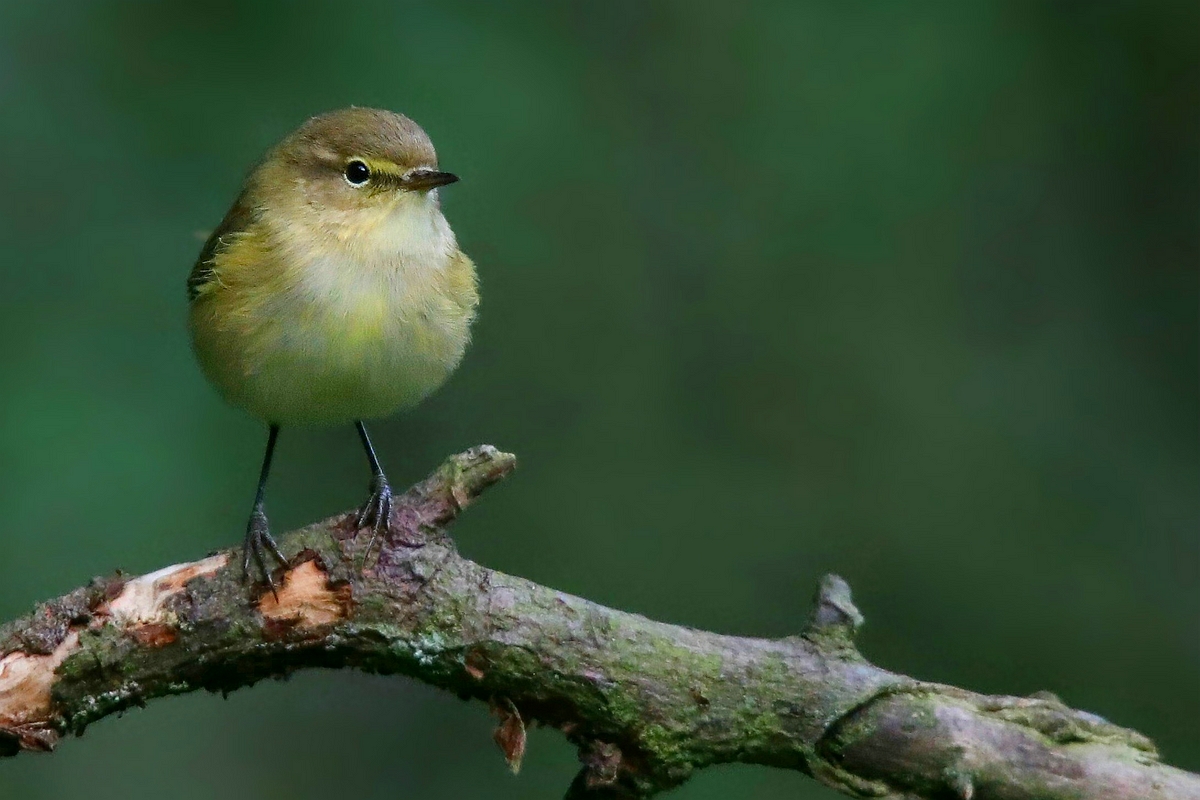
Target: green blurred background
point(902, 291)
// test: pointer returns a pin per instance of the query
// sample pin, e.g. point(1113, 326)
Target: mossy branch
point(646, 703)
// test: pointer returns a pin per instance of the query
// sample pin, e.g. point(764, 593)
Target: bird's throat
point(369, 266)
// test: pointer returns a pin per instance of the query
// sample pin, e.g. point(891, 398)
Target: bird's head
point(348, 170)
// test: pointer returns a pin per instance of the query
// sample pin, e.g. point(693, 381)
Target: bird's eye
point(357, 173)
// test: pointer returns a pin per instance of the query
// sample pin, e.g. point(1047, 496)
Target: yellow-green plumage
point(317, 301)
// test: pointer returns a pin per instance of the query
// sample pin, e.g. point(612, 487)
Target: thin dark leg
point(272, 437)
point(376, 470)
point(258, 533)
point(377, 511)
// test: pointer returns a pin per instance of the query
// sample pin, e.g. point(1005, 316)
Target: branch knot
point(834, 619)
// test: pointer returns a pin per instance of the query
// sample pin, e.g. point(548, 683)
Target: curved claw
point(376, 513)
point(258, 538)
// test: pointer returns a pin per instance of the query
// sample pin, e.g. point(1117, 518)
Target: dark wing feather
point(237, 219)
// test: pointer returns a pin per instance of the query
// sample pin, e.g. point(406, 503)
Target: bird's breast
point(339, 330)
point(380, 315)
point(381, 281)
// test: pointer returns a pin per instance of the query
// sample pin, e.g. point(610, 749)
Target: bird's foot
point(258, 539)
point(376, 513)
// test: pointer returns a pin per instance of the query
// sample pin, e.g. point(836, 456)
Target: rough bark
point(646, 703)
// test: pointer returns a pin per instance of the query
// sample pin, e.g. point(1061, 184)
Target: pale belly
point(328, 370)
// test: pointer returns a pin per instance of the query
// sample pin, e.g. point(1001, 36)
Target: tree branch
point(646, 703)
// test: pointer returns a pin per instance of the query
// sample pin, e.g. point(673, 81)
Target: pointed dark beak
point(422, 180)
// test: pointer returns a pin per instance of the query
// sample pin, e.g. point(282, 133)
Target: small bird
point(333, 291)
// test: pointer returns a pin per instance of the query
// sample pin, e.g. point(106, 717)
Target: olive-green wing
point(203, 276)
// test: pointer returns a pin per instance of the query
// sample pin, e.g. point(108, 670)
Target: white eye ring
point(356, 173)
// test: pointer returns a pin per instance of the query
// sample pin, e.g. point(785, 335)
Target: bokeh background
point(902, 291)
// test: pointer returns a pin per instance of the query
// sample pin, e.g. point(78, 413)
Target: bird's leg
point(258, 533)
point(377, 511)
